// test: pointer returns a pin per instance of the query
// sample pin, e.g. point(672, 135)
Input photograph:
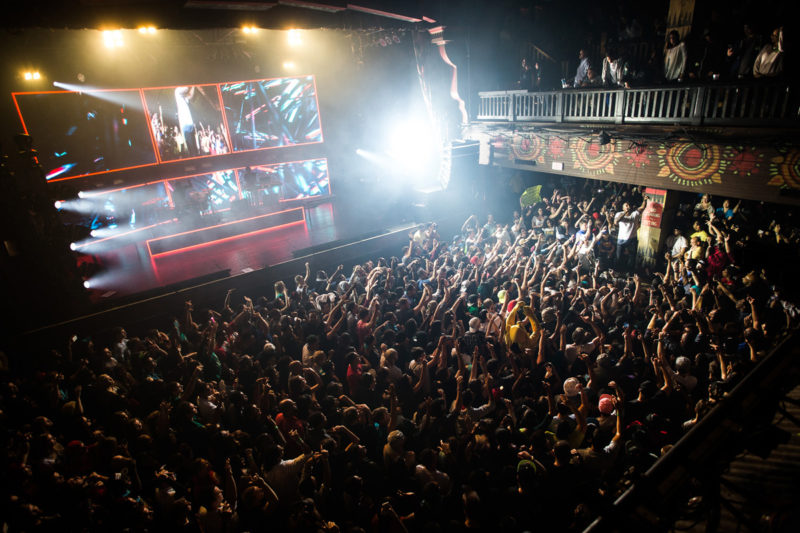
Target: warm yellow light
point(112, 38)
point(249, 29)
point(295, 38)
point(288, 65)
point(29, 76)
point(36, 75)
point(142, 29)
point(147, 29)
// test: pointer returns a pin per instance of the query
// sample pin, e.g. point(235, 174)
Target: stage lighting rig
point(249, 29)
point(145, 30)
point(32, 75)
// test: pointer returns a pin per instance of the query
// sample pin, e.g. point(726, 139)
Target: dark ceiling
point(190, 14)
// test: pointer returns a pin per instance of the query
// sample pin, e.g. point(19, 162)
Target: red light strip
point(224, 239)
point(16, 104)
point(225, 119)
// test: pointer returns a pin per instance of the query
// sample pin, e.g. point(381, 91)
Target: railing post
point(511, 104)
point(559, 111)
point(619, 109)
point(698, 105)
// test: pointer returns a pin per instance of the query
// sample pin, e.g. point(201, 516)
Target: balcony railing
point(696, 105)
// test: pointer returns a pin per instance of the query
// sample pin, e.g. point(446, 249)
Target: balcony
point(704, 105)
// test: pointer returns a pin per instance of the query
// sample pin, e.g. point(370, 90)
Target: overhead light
point(73, 246)
point(58, 204)
point(87, 285)
point(288, 65)
point(250, 30)
point(295, 38)
point(112, 38)
point(31, 75)
point(147, 29)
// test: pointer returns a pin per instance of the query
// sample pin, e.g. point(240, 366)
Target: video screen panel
point(204, 194)
point(290, 181)
point(86, 133)
point(186, 121)
point(270, 113)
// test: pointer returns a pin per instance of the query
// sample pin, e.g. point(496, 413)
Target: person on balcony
point(615, 70)
point(526, 75)
point(582, 74)
point(674, 58)
point(769, 62)
point(746, 51)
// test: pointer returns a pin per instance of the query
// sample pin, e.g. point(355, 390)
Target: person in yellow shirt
point(516, 333)
point(699, 232)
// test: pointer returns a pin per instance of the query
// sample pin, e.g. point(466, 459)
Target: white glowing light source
point(73, 246)
point(87, 285)
point(414, 146)
point(36, 75)
point(112, 38)
point(147, 29)
point(93, 233)
point(58, 204)
point(295, 38)
point(81, 194)
point(250, 30)
point(288, 65)
point(29, 76)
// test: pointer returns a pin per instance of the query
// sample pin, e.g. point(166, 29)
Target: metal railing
point(696, 105)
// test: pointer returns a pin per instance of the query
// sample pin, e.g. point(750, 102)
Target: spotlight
point(36, 75)
point(87, 285)
point(81, 194)
point(294, 38)
point(288, 65)
point(29, 76)
point(147, 29)
point(604, 138)
point(250, 29)
point(93, 233)
point(73, 246)
point(58, 204)
point(112, 38)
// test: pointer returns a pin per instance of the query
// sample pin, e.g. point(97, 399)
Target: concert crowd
point(514, 377)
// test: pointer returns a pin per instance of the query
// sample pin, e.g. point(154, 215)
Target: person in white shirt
point(677, 243)
point(626, 221)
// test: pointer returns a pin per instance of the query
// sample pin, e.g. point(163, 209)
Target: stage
point(142, 264)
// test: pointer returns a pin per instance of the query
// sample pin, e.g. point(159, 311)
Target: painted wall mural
point(745, 171)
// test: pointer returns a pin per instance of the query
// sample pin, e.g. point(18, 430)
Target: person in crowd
point(615, 69)
point(769, 61)
point(582, 74)
point(525, 79)
point(746, 50)
point(477, 379)
point(674, 58)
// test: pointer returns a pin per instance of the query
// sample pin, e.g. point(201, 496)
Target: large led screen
point(290, 181)
point(206, 193)
point(98, 130)
point(270, 113)
point(186, 121)
point(86, 133)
